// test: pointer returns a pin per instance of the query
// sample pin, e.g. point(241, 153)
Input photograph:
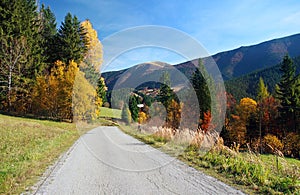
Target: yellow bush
point(142, 118)
point(272, 143)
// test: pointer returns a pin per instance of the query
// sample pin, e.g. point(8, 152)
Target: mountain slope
point(246, 85)
point(243, 60)
point(146, 75)
point(232, 64)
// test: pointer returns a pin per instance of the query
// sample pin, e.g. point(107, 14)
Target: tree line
point(270, 122)
point(42, 67)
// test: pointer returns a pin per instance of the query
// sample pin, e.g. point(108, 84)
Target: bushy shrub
point(271, 143)
point(142, 117)
point(292, 145)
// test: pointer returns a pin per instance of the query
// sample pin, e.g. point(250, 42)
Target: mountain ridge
point(236, 62)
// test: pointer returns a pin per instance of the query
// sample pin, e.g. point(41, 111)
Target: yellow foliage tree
point(86, 103)
point(237, 128)
point(246, 107)
point(94, 55)
point(52, 94)
point(174, 114)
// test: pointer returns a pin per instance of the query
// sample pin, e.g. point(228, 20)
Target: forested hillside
point(246, 85)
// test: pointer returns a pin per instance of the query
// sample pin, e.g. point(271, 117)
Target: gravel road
point(107, 161)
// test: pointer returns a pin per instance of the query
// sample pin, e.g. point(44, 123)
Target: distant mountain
point(243, 60)
point(146, 75)
point(233, 63)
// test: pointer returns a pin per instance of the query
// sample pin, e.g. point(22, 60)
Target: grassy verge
point(252, 173)
point(261, 174)
point(27, 148)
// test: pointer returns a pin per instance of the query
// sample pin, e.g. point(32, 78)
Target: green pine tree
point(71, 40)
point(200, 81)
point(21, 54)
point(288, 94)
point(133, 102)
point(170, 101)
point(49, 31)
point(166, 94)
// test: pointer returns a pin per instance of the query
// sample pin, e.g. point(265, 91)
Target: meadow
point(28, 147)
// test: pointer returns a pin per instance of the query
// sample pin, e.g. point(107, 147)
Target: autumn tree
point(142, 117)
point(206, 124)
point(94, 54)
point(52, 94)
point(173, 114)
point(245, 109)
point(86, 103)
point(228, 126)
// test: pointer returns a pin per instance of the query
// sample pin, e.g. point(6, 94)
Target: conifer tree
point(21, 56)
point(166, 94)
point(262, 95)
point(262, 90)
point(133, 102)
point(288, 93)
point(170, 101)
point(71, 40)
point(48, 32)
point(200, 81)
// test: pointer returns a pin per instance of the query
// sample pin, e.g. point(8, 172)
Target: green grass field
point(28, 147)
point(110, 113)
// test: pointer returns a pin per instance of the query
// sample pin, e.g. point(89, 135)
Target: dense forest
point(43, 67)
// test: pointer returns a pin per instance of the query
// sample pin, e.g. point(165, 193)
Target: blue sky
point(218, 25)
